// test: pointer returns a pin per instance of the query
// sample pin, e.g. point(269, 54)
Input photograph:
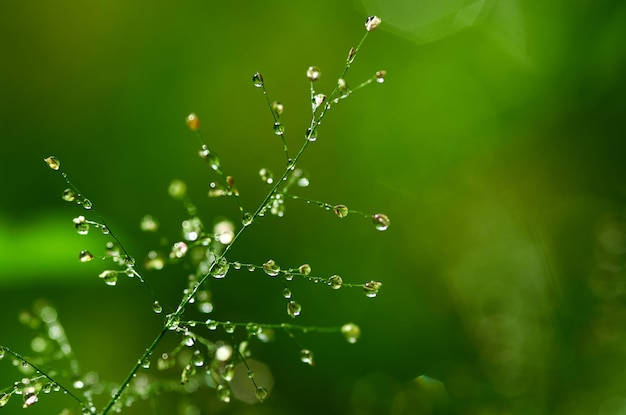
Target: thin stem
point(44, 374)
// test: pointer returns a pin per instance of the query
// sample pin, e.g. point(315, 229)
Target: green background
point(496, 147)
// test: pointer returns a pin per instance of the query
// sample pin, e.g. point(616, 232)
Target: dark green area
point(496, 150)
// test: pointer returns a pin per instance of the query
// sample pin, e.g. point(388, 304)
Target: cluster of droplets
point(197, 355)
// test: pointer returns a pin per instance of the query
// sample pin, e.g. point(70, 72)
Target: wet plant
point(208, 353)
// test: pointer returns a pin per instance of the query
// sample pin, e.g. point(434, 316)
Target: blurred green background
point(496, 147)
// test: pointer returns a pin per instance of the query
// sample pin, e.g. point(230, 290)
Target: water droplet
point(193, 122)
point(381, 221)
point(30, 397)
point(109, 277)
point(293, 309)
point(220, 269)
point(257, 80)
point(287, 293)
point(192, 228)
point(247, 219)
point(52, 162)
point(69, 195)
point(335, 282)
point(351, 332)
point(318, 100)
point(105, 230)
point(229, 372)
point(179, 249)
point(371, 288)
point(261, 393)
point(177, 189)
point(81, 225)
point(271, 268)
point(197, 359)
point(156, 307)
point(87, 204)
point(224, 231)
point(189, 339)
point(2, 353)
point(149, 224)
point(222, 391)
point(47, 388)
point(341, 210)
point(277, 108)
point(305, 269)
point(210, 157)
point(351, 55)
point(85, 256)
point(380, 76)
point(211, 324)
point(229, 327)
point(311, 134)
point(343, 86)
point(266, 176)
point(306, 356)
point(372, 23)
point(251, 267)
point(279, 129)
point(154, 261)
point(145, 363)
point(313, 73)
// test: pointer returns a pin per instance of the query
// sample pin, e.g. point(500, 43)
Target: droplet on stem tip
point(53, 162)
point(257, 79)
point(381, 221)
point(372, 23)
point(313, 73)
point(193, 122)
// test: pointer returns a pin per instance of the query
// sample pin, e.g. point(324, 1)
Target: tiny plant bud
point(380, 76)
point(372, 23)
point(313, 73)
point(193, 122)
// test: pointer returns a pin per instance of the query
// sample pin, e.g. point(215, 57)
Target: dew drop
point(318, 100)
point(81, 225)
point(257, 80)
point(47, 388)
point(293, 309)
point(351, 332)
point(305, 269)
point(220, 269)
point(87, 204)
point(228, 373)
point(335, 282)
point(381, 221)
point(251, 267)
point(210, 157)
point(229, 327)
point(177, 189)
point(156, 307)
point(185, 374)
point(189, 340)
point(30, 398)
point(149, 224)
point(2, 353)
point(287, 293)
point(85, 256)
point(179, 249)
point(237, 265)
point(68, 195)
point(372, 23)
point(311, 134)
point(154, 261)
point(306, 356)
point(277, 108)
point(266, 176)
point(109, 277)
point(222, 391)
point(193, 122)
point(197, 359)
point(145, 363)
point(261, 393)
point(371, 288)
point(380, 76)
point(211, 324)
point(341, 211)
point(192, 228)
point(271, 268)
point(247, 219)
point(279, 129)
point(313, 73)
point(53, 162)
